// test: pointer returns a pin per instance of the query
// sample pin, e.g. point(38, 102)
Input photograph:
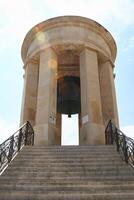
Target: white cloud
point(128, 130)
point(6, 130)
point(99, 10)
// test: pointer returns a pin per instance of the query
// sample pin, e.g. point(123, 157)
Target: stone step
point(71, 167)
point(76, 179)
point(67, 158)
point(96, 148)
point(54, 175)
point(108, 151)
point(45, 149)
point(45, 189)
point(63, 182)
point(66, 196)
point(86, 154)
point(62, 162)
point(60, 153)
point(71, 147)
point(66, 168)
point(72, 158)
point(68, 162)
point(65, 174)
point(67, 183)
point(67, 150)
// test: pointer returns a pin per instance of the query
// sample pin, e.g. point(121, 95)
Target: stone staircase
point(69, 173)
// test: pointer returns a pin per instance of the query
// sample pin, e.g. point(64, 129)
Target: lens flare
point(40, 36)
point(52, 64)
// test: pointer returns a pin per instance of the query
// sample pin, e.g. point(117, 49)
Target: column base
point(44, 135)
point(93, 134)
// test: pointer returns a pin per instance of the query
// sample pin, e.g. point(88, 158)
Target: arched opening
point(69, 107)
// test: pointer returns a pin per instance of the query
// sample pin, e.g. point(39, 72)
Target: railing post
point(125, 149)
point(106, 137)
point(117, 139)
point(11, 150)
point(32, 143)
point(0, 158)
point(20, 139)
point(108, 133)
point(26, 133)
point(111, 132)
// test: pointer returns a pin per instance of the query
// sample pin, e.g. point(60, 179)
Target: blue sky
point(17, 17)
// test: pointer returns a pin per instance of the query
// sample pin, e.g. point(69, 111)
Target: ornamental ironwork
point(10, 147)
point(124, 144)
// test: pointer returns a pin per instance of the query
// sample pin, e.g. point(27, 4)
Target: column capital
point(89, 49)
point(109, 61)
point(33, 60)
point(48, 50)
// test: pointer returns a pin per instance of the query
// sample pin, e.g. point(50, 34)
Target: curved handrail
point(124, 144)
point(10, 147)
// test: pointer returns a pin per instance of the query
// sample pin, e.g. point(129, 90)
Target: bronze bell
point(68, 95)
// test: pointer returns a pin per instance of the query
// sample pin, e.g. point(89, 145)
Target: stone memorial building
point(69, 63)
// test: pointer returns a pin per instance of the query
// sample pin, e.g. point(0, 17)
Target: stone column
point(46, 100)
point(92, 130)
point(29, 99)
point(108, 96)
point(80, 128)
point(58, 129)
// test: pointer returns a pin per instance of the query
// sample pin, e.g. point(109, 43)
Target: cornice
point(69, 21)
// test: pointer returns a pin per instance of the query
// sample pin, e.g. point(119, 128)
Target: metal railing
point(124, 144)
point(10, 147)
